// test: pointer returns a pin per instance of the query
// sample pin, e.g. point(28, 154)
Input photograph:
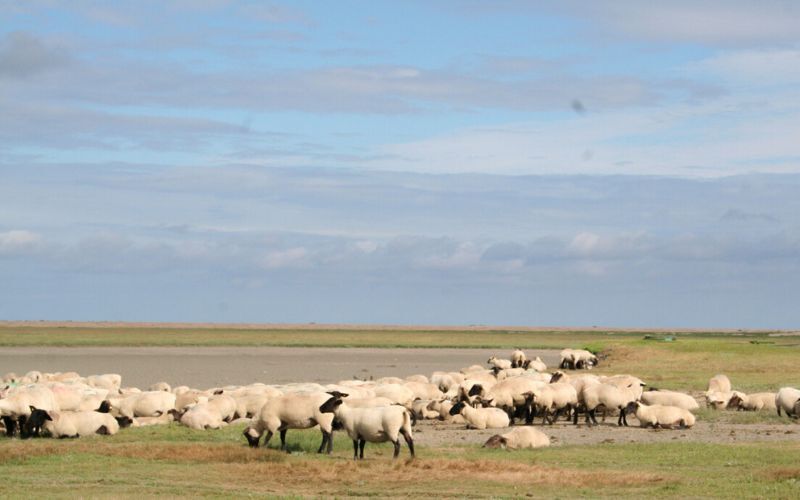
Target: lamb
point(80, 423)
point(753, 402)
point(481, 418)
point(420, 409)
point(669, 398)
point(503, 364)
point(519, 438)
point(518, 358)
point(661, 416)
point(376, 425)
point(293, 411)
point(786, 400)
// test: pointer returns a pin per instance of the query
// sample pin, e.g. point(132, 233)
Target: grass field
point(176, 461)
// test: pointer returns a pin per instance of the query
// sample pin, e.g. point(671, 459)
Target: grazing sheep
point(481, 418)
point(608, 396)
point(519, 438)
point(503, 364)
point(577, 359)
point(661, 416)
point(786, 400)
point(293, 411)
point(376, 425)
point(518, 358)
point(669, 398)
point(753, 402)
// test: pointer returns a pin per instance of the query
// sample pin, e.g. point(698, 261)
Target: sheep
point(35, 422)
point(481, 418)
point(203, 415)
point(509, 373)
point(398, 393)
point(608, 396)
point(420, 409)
point(719, 383)
point(418, 378)
point(369, 402)
point(80, 423)
point(110, 381)
point(753, 402)
point(503, 364)
point(293, 411)
point(786, 399)
point(443, 407)
point(376, 425)
point(517, 358)
point(472, 368)
point(519, 438)
point(660, 416)
point(669, 398)
point(577, 359)
point(508, 395)
point(446, 380)
point(145, 404)
point(535, 364)
point(160, 386)
point(18, 401)
point(250, 399)
point(721, 400)
point(424, 390)
point(625, 381)
point(160, 420)
point(389, 380)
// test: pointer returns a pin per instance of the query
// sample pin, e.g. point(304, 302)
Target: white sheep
point(503, 364)
point(418, 378)
point(519, 438)
point(608, 396)
point(144, 404)
point(535, 364)
point(110, 381)
point(80, 423)
point(661, 416)
point(719, 383)
point(17, 403)
point(481, 418)
point(293, 411)
point(203, 415)
point(786, 400)
point(376, 425)
point(160, 386)
point(398, 393)
point(669, 398)
point(518, 358)
point(753, 402)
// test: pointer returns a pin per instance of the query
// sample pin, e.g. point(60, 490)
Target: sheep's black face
point(475, 390)
point(496, 441)
point(105, 407)
point(632, 407)
point(330, 405)
point(124, 421)
point(456, 409)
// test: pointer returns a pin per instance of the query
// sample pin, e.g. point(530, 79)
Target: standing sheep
point(293, 411)
point(376, 425)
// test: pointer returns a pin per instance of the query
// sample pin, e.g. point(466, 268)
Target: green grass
point(176, 461)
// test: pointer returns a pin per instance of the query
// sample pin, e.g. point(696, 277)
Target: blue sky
point(532, 163)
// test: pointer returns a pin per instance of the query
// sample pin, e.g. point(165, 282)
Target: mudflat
point(205, 367)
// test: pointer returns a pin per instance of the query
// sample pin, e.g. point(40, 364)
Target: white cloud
point(297, 257)
point(19, 242)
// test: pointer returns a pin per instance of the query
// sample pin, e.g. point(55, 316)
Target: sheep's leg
point(330, 442)
point(267, 438)
point(355, 449)
point(529, 414)
point(325, 437)
point(361, 448)
point(396, 448)
point(283, 439)
point(409, 441)
point(11, 425)
point(621, 418)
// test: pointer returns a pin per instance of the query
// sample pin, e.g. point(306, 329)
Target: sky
point(606, 163)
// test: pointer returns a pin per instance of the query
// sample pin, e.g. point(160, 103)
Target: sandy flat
point(205, 367)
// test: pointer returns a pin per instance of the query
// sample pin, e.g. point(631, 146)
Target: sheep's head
point(338, 394)
point(330, 405)
point(496, 441)
point(475, 390)
point(456, 409)
point(735, 402)
point(796, 408)
point(632, 407)
point(105, 407)
point(125, 422)
point(252, 436)
point(490, 360)
point(556, 376)
point(526, 364)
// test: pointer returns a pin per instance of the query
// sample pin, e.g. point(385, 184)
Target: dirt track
point(205, 367)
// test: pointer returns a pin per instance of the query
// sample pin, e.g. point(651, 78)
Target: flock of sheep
point(509, 391)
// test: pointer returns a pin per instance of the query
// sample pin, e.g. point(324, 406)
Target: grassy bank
point(176, 461)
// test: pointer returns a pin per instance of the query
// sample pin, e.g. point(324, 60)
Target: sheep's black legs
point(355, 449)
point(11, 426)
point(325, 437)
point(396, 448)
point(409, 441)
point(267, 438)
point(330, 442)
point(283, 439)
point(361, 448)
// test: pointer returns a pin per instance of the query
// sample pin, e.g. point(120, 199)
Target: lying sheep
point(753, 402)
point(144, 404)
point(721, 400)
point(669, 398)
point(535, 364)
point(110, 381)
point(661, 416)
point(80, 423)
point(376, 425)
point(203, 416)
point(160, 386)
point(293, 411)
point(518, 438)
point(503, 364)
point(786, 400)
point(481, 418)
point(18, 401)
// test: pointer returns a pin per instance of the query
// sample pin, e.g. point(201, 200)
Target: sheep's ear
point(33, 408)
point(218, 392)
